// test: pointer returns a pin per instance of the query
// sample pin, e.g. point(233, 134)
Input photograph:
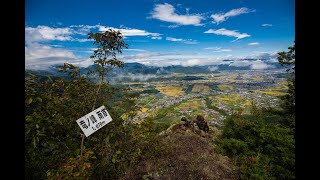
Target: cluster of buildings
point(244, 83)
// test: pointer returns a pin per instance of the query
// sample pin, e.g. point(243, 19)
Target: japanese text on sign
point(94, 120)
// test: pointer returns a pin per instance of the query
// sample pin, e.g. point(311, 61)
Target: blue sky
point(160, 33)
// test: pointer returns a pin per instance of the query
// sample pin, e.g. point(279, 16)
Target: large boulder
point(202, 124)
point(187, 122)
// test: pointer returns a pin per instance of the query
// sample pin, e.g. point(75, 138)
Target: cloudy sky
point(160, 33)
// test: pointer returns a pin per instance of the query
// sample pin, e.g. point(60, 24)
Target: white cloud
point(82, 40)
point(223, 50)
point(41, 56)
point(221, 17)
point(173, 39)
point(139, 77)
point(56, 45)
point(83, 29)
point(191, 62)
point(218, 49)
point(191, 42)
point(241, 63)
point(130, 31)
point(259, 65)
point(255, 65)
point(166, 12)
point(169, 59)
point(266, 25)
point(161, 70)
point(213, 68)
point(173, 26)
point(273, 60)
point(41, 51)
point(264, 55)
point(45, 33)
point(157, 37)
point(186, 41)
point(253, 44)
point(226, 32)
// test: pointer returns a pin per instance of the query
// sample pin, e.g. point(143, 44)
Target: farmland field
point(213, 95)
point(170, 90)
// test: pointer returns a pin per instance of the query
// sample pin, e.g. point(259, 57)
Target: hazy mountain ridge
point(137, 68)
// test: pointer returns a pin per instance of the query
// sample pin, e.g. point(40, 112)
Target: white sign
point(93, 121)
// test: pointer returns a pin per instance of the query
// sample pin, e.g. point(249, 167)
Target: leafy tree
point(53, 138)
point(53, 104)
point(261, 145)
point(287, 59)
point(108, 45)
point(73, 71)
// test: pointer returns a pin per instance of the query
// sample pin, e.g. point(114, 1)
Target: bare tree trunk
point(82, 144)
point(97, 93)
point(94, 104)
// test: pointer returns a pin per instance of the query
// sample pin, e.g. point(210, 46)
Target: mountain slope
point(188, 156)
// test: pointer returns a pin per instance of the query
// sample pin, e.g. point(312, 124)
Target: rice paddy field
point(211, 95)
point(170, 90)
point(200, 88)
point(223, 87)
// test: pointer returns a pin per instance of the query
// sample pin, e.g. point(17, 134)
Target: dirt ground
point(188, 156)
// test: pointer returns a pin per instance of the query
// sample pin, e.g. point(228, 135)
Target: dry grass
point(231, 97)
point(142, 110)
point(271, 92)
point(194, 104)
point(200, 88)
point(225, 87)
point(188, 156)
point(170, 90)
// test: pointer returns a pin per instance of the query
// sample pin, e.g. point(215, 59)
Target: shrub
point(262, 144)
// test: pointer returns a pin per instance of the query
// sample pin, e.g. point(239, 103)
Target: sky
point(160, 32)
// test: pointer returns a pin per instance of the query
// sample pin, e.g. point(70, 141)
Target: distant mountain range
point(137, 68)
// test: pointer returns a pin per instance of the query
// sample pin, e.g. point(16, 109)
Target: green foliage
point(262, 144)
point(51, 133)
point(255, 167)
point(108, 45)
point(234, 147)
point(52, 105)
point(288, 100)
point(74, 168)
point(188, 89)
point(288, 58)
point(150, 91)
point(126, 147)
point(73, 71)
point(161, 113)
point(53, 138)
